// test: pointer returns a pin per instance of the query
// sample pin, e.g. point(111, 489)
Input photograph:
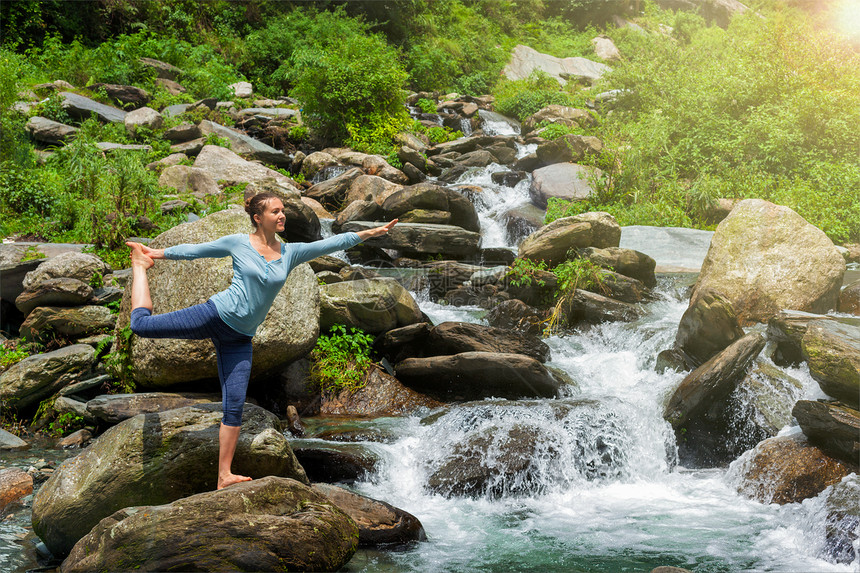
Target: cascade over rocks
point(765, 258)
point(41, 375)
point(842, 527)
point(270, 524)
point(289, 331)
point(152, 459)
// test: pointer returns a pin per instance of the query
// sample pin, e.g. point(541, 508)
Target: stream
point(604, 491)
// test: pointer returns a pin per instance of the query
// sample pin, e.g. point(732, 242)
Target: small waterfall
point(493, 123)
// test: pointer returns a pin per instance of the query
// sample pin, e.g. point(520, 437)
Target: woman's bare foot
point(137, 257)
point(230, 479)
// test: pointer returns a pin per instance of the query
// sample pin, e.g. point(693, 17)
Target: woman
point(230, 318)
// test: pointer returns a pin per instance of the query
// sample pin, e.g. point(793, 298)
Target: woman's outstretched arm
point(304, 252)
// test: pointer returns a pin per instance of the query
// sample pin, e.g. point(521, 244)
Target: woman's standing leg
point(234, 370)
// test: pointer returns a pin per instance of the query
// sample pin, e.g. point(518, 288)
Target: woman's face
point(273, 217)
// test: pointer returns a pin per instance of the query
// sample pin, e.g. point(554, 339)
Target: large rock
point(143, 117)
point(765, 258)
point(430, 196)
point(185, 179)
point(289, 331)
point(382, 395)
point(49, 131)
point(477, 375)
point(605, 48)
point(516, 315)
point(242, 89)
point(358, 211)
point(80, 107)
point(271, 524)
point(246, 145)
point(162, 69)
point(552, 242)
point(593, 308)
point(525, 60)
point(378, 522)
point(565, 181)
point(76, 322)
point(315, 162)
point(421, 238)
point(457, 337)
point(374, 305)
point(849, 299)
point(127, 96)
point(832, 350)
point(842, 526)
point(153, 459)
point(114, 408)
point(707, 327)
point(9, 441)
point(568, 148)
point(788, 469)
point(331, 192)
point(561, 114)
point(54, 292)
point(185, 131)
point(223, 164)
point(14, 484)
point(834, 428)
point(623, 261)
point(370, 188)
point(73, 265)
point(332, 462)
point(42, 375)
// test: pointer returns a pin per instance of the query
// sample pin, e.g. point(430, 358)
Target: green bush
point(340, 360)
point(521, 98)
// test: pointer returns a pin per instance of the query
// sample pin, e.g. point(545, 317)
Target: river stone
point(9, 441)
point(223, 164)
point(76, 322)
point(73, 265)
point(370, 188)
point(242, 89)
point(81, 108)
point(568, 148)
point(143, 117)
point(458, 337)
point(421, 238)
point(191, 148)
point(593, 308)
point(849, 299)
point(335, 462)
point(477, 375)
point(832, 350)
point(525, 60)
point(42, 375)
point(76, 439)
point(788, 469)
point(332, 192)
point(382, 395)
point(565, 181)
point(358, 211)
point(374, 305)
point(770, 393)
point(713, 380)
point(151, 459)
point(835, 428)
point(552, 242)
point(15, 484)
point(708, 326)
point(114, 408)
point(288, 332)
point(786, 329)
point(246, 145)
point(433, 197)
point(765, 258)
point(516, 315)
point(186, 179)
point(315, 162)
point(378, 522)
point(377, 165)
point(624, 261)
point(620, 287)
point(842, 527)
point(562, 114)
point(270, 524)
point(49, 131)
point(54, 292)
point(66, 405)
point(605, 48)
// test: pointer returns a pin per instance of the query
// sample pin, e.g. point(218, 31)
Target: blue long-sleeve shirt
point(256, 283)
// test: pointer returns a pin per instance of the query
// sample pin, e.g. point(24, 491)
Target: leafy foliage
point(341, 359)
point(522, 272)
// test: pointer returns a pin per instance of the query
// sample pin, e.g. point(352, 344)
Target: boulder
point(842, 525)
point(162, 69)
point(370, 188)
point(765, 258)
point(76, 322)
point(619, 287)
point(832, 350)
point(66, 405)
point(477, 375)
point(335, 462)
point(358, 211)
point(568, 148)
point(186, 179)
point(525, 60)
point(374, 305)
point(271, 524)
point(430, 196)
point(81, 108)
point(54, 292)
point(14, 484)
point(787, 469)
point(127, 96)
point(170, 160)
point(761, 406)
point(241, 89)
point(48, 131)
point(516, 315)
point(42, 375)
point(13, 270)
point(315, 162)
point(552, 242)
point(458, 337)
point(562, 114)
point(849, 299)
point(835, 428)
point(289, 331)
point(418, 238)
point(185, 131)
point(76, 439)
point(9, 441)
point(605, 48)
point(73, 265)
point(593, 308)
point(246, 145)
point(376, 165)
point(143, 117)
point(191, 148)
point(378, 522)
point(708, 326)
point(623, 261)
point(381, 396)
point(152, 459)
point(114, 408)
point(786, 329)
point(332, 192)
point(566, 181)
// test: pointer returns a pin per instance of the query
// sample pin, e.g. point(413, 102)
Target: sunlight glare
point(848, 17)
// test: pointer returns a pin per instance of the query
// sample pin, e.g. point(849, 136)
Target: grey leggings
point(232, 349)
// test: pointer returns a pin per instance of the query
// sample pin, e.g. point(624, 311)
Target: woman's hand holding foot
point(138, 257)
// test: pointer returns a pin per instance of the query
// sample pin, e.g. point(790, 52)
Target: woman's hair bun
point(248, 204)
